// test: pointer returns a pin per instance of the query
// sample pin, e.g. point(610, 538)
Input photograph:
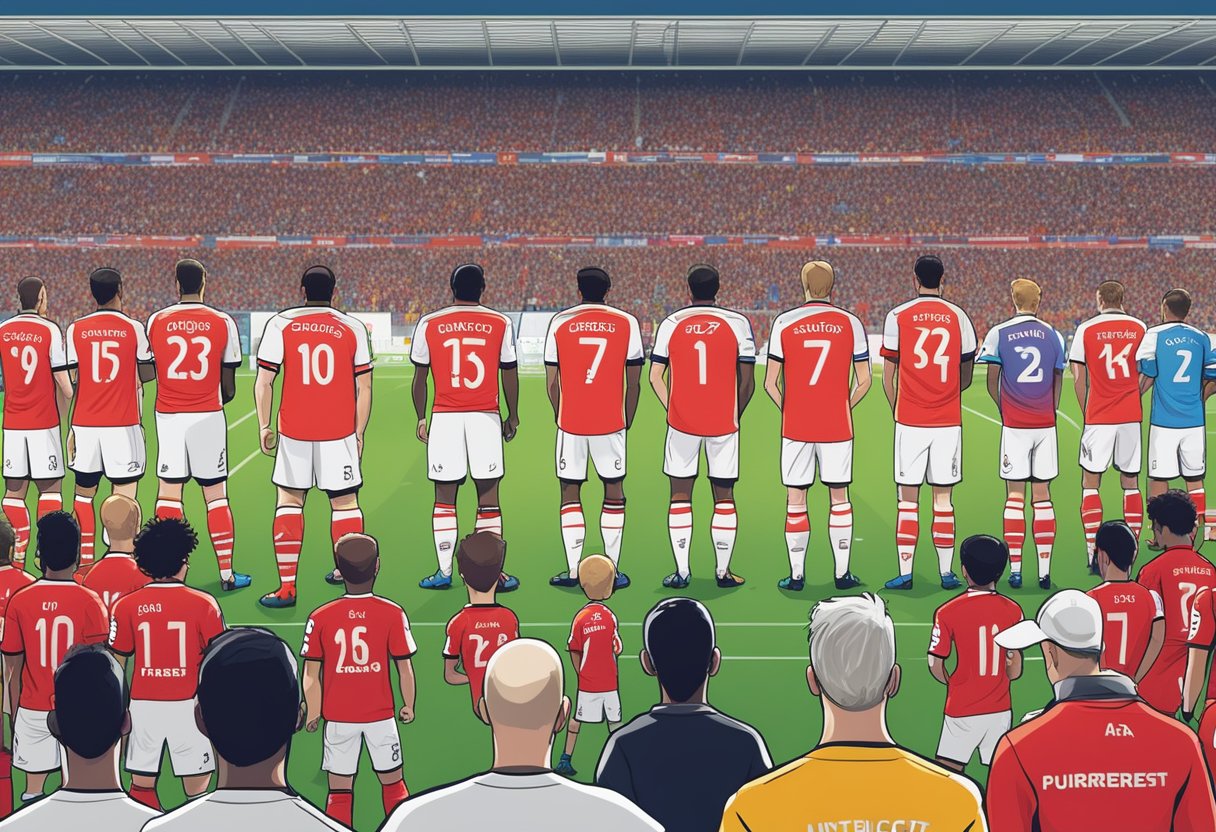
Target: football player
point(116, 573)
point(1133, 619)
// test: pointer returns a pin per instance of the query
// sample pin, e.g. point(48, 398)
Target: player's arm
point(1192, 680)
point(1080, 382)
point(14, 664)
point(937, 668)
point(994, 383)
point(966, 372)
point(890, 380)
point(510, 392)
point(658, 382)
point(408, 687)
point(633, 392)
point(1145, 383)
point(450, 674)
point(773, 377)
point(1059, 387)
point(363, 406)
point(418, 392)
point(263, 402)
point(1155, 641)
point(312, 694)
point(1209, 387)
point(863, 379)
point(553, 386)
point(1013, 664)
point(745, 383)
point(147, 372)
point(227, 384)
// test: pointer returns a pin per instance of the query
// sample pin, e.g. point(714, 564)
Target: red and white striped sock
point(18, 517)
point(443, 526)
point(345, 521)
point(167, 508)
point(1199, 498)
point(907, 530)
point(1133, 510)
point(288, 531)
point(489, 519)
point(574, 529)
point(85, 518)
point(612, 528)
point(797, 538)
point(723, 529)
point(943, 537)
point(840, 534)
point(51, 501)
point(1015, 529)
point(223, 537)
point(1044, 534)
point(1091, 517)
point(679, 529)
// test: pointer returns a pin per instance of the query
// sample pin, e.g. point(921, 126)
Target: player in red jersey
point(702, 370)
point(593, 358)
point(1201, 639)
point(37, 392)
point(978, 706)
point(928, 349)
point(164, 628)
point(818, 371)
point(348, 647)
point(12, 579)
point(197, 351)
point(324, 356)
point(1176, 575)
point(1103, 358)
point(1133, 617)
point(476, 632)
point(41, 623)
point(465, 347)
point(116, 574)
point(108, 354)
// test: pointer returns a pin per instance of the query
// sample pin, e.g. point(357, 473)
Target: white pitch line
point(1068, 419)
point(246, 417)
point(243, 463)
point(981, 415)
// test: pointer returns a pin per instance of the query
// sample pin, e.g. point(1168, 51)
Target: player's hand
point(312, 725)
point(421, 432)
point(509, 428)
point(406, 714)
point(268, 441)
point(71, 445)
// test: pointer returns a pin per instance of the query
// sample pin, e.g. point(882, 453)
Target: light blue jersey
point(1178, 358)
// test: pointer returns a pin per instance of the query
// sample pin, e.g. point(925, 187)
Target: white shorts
point(682, 455)
point(331, 465)
point(463, 444)
point(928, 455)
point(1177, 452)
point(35, 751)
point(157, 724)
point(1104, 446)
point(963, 735)
point(1029, 454)
point(598, 707)
point(607, 452)
point(191, 445)
point(344, 740)
point(800, 459)
point(118, 453)
point(33, 454)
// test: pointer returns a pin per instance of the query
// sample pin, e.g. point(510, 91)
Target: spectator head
point(680, 648)
point(31, 294)
point(58, 542)
point(703, 282)
point(1173, 516)
point(318, 284)
point(524, 701)
point(90, 714)
point(1027, 295)
point(597, 577)
point(8, 541)
point(248, 696)
point(357, 557)
point(163, 548)
point(105, 284)
point(818, 278)
point(1069, 628)
point(468, 282)
point(480, 558)
point(1110, 295)
point(852, 643)
point(929, 271)
point(593, 284)
point(1115, 545)
point(984, 558)
point(121, 518)
point(190, 275)
point(1176, 305)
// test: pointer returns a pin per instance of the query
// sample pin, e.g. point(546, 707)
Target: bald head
point(121, 517)
point(357, 556)
point(524, 685)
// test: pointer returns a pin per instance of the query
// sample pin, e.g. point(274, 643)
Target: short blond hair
point(818, 278)
point(1026, 294)
point(597, 577)
point(121, 517)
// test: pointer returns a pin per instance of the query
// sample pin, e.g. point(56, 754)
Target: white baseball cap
point(1070, 618)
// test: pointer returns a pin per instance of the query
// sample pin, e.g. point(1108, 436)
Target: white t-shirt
point(110, 811)
point(532, 802)
point(246, 810)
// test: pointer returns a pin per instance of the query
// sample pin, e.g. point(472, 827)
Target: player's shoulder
point(952, 605)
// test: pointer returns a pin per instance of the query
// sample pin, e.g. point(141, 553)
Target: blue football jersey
point(1030, 353)
point(1178, 358)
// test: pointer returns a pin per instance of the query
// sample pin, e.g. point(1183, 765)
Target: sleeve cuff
point(779, 359)
point(865, 356)
point(967, 356)
point(507, 365)
point(635, 362)
point(362, 371)
point(268, 365)
point(658, 359)
point(234, 365)
point(549, 363)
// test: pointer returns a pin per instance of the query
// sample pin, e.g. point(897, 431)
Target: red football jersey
point(703, 347)
point(1128, 610)
point(969, 623)
point(1202, 631)
point(355, 638)
point(191, 342)
point(106, 349)
point(474, 634)
point(464, 346)
point(45, 620)
point(112, 577)
point(31, 351)
point(931, 339)
point(1176, 575)
point(591, 344)
point(1106, 344)
point(597, 637)
point(11, 580)
point(320, 352)
point(166, 626)
point(817, 344)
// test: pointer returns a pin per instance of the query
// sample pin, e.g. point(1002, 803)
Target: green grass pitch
point(761, 630)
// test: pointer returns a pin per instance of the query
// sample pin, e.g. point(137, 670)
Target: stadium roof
point(622, 42)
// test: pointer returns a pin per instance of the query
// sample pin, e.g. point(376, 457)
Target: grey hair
point(852, 646)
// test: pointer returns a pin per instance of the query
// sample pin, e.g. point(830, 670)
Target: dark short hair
point(1119, 542)
point(248, 695)
point(678, 635)
point(164, 546)
point(929, 270)
point(984, 557)
point(28, 290)
point(104, 283)
point(1173, 510)
point(356, 556)
point(480, 558)
point(1178, 302)
point(319, 283)
point(468, 281)
point(189, 274)
point(8, 540)
point(1110, 292)
point(90, 701)
point(704, 282)
point(593, 284)
point(58, 541)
